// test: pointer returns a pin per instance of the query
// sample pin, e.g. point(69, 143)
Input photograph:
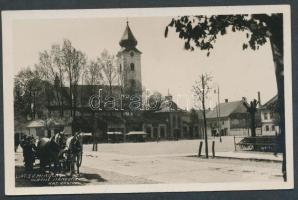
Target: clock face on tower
point(130, 57)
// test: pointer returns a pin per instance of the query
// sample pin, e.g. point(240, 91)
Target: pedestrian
point(29, 148)
point(16, 142)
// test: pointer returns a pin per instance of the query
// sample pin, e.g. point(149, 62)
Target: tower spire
point(169, 96)
point(128, 40)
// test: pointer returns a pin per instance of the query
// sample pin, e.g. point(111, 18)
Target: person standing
point(29, 148)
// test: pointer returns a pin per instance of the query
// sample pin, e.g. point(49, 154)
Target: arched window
point(120, 68)
point(132, 67)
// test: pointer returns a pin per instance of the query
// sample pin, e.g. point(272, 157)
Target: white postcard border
point(9, 16)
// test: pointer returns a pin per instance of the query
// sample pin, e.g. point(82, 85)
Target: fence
point(259, 143)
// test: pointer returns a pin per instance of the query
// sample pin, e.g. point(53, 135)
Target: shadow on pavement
point(37, 179)
point(91, 178)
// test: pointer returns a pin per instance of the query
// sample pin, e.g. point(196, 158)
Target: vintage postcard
point(147, 100)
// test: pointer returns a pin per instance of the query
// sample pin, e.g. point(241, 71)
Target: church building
point(166, 122)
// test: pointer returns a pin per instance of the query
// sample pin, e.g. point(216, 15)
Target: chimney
point(259, 98)
point(226, 100)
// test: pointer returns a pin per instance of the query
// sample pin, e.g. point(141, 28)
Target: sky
point(166, 66)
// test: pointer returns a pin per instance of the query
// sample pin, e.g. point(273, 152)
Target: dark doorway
point(155, 132)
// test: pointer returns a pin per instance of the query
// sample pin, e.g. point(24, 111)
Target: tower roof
point(128, 40)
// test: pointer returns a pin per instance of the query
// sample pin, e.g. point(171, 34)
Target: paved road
point(183, 169)
point(164, 162)
point(171, 162)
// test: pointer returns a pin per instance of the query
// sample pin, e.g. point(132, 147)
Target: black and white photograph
point(147, 100)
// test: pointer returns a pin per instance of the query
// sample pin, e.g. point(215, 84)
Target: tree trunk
point(94, 125)
point(34, 106)
point(280, 108)
point(205, 128)
point(74, 101)
point(253, 126)
point(70, 89)
point(276, 40)
point(61, 96)
point(57, 96)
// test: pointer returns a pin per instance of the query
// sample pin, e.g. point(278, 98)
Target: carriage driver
point(29, 148)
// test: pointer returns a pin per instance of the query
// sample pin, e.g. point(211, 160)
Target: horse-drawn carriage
point(58, 153)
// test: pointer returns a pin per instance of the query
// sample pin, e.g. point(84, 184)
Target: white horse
point(74, 151)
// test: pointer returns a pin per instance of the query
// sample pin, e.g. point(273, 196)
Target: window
point(120, 68)
point(267, 128)
point(148, 130)
point(131, 54)
point(132, 67)
point(265, 116)
point(271, 115)
point(273, 127)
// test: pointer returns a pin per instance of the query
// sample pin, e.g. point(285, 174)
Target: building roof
point(36, 124)
point(226, 109)
point(87, 91)
point(50, 122)
point(136, 133)
point(128, 40)
point(114, 133)
point(168, 106)
point(271, 104)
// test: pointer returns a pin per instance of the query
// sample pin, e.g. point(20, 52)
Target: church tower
point(130, 63)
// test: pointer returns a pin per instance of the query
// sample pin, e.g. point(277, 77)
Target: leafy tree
point(202, 31)
point(201, 89)
point(19, 103)
point(154, 101)
point(29, 91)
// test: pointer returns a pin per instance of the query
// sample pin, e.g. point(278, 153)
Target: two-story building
point(231, 118)
point(269, 117)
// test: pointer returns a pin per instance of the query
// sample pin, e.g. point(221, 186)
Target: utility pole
point(217, 117)
point(219, 114)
